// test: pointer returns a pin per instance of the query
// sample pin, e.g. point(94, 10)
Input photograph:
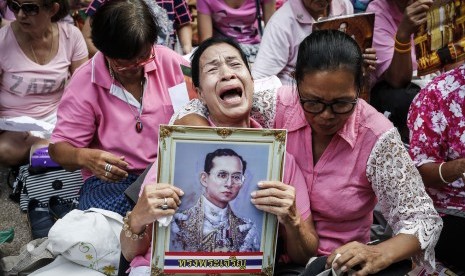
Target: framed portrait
point(217, 230)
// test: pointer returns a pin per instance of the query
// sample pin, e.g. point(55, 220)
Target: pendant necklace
point(139, 125)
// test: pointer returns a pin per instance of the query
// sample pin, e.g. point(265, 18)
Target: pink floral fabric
point(437, 131)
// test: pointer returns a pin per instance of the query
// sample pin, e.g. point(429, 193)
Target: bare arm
point(451, 171)
point(146, 211)
point(205, 25)
point(399, 72)
point(280, 199)
point(72, 158)
point(374, 258)
point(185, 38)
point(86, 32)
point(268, 10)
point(75, 64)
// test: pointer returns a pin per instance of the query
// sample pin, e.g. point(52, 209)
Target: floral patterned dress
point(437, 132)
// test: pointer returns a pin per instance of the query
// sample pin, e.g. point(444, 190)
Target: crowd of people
point(107, 87)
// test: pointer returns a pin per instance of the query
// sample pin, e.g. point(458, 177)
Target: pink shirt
point(292, 176)
point(94, 112)
point(342, 199)
point(285, 30)
point(387, 20)
point(31, 89)
point(239, 23)
point(437, 132)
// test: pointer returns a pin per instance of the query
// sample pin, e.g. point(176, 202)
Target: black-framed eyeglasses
point(337, 107)
point(29, 9)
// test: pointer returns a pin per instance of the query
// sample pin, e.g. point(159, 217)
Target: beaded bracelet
point(128, 232)
point(440, 173)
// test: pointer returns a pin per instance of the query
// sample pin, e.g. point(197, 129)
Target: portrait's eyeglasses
point(337, 107)
point(223, 177)
point(135, 65)
point(29, 9)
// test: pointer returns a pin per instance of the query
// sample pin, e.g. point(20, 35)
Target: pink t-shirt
point(94, 112)
point(31, 89)
point(292, 175)
point(387, 20)
point(342, 199)
point(240, 23)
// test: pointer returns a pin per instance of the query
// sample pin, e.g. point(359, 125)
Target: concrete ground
point(12, 216)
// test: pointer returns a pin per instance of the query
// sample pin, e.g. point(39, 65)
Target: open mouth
point(232, 95)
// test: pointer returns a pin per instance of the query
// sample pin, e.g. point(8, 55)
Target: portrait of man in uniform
point(211, 225)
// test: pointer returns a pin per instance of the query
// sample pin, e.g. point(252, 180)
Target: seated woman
point(235, 19)
point(351, 157)
point(437, 124)
point(38, 56)
point(219, 64)
point(108, 118)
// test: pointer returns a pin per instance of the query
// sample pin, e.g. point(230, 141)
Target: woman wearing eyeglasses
point(38, 54)
point(108, 118)
point(352, 157)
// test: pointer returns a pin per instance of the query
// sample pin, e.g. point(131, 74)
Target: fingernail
point(181, 192)
point(253, 194)
point(260, 184)
point(344, 268)
point(335, 266)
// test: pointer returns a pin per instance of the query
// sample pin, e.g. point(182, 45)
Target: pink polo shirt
point(387, 20)
point(94, 113)
point(342, 199)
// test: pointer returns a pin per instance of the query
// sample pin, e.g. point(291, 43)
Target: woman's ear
point(55, 8)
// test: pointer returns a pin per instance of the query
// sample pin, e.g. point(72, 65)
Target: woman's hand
point(148, 207)
point(414, 16)
point(103, 165)
point(370, 258)
point(370, 59)
point(279, 199)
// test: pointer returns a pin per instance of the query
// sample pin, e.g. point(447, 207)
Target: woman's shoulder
point(68, 29)
point(371, 119)
point(6, 33)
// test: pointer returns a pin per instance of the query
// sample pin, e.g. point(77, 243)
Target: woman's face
point(129, 68)
point(32, 15)
point(317, 7)
point(225, 85)
point(327, 86)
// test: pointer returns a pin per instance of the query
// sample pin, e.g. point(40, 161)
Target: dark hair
point(218, 153)
point(329, 50)
point(195, 58)
point(123, 28)
point(61, 13)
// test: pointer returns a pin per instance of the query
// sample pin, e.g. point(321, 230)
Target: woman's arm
point(185, 38)
point(86, 32)
point(268, 9)
point(75, 64)
point(399, 72)
point(205, 26)
point(450, 171)
point(280, 199)
point(72, 158)
point(146, 211)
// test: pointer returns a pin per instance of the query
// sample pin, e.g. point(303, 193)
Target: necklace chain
point(137, 116)
point(49, 52)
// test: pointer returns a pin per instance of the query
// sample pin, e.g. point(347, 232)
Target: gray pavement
point(12, 216)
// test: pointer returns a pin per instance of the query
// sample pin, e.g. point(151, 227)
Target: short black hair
point(219, 153)
point(329, 50)
point(62, 12)
point(195, 58)
point(122, 29)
